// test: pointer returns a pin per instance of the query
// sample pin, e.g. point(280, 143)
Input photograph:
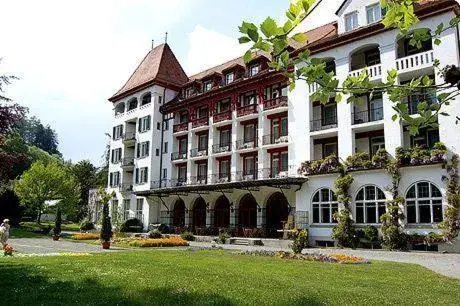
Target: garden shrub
point(438, 153)
point(131, 226)
point(344, 232)
point(162, 242)
point(87, 225)
point(371, 233)
point(451, 224)
point(155, 234)
point(223, 236)
point(300, 241)
point(380, 159)
point(85, 236)
point(187, 236)
point(58, 222)
point(326, 165)
point(358, 161)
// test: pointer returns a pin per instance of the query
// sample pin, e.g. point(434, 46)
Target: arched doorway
point(277, 213)
point(247, 212)
point(199, 213)
point(222, 212)
point(179, 213)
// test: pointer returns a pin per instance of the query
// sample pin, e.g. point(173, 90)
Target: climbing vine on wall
point(451, 224)
point(344, 232)
point(393, 236)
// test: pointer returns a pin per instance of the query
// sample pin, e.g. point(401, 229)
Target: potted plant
point(106, 229)
point(57, 225)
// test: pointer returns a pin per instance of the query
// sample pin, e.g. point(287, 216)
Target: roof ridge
point(215, 66)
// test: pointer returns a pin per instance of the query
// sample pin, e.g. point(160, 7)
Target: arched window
point(324, 206)
point(132, 104)
point(370, 204)
point(424, 203)
point(120, 108)
point(146, 99)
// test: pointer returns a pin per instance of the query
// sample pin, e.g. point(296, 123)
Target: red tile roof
point(160, 66)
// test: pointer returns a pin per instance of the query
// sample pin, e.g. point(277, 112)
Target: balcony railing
point(275, 103)
point(127, 162)
point(226, 115)
point(247, 175)
point(275, 172)
point(375, 114)
point(180, 127)
point(197, 152)
point(221, 148)
point(275, 139)
point(374, 72)
point(416, 61)
point(200, 122)
point(219, 178)
point(323, 123)
point(128, 136)
point(178, 155)
point(126, 188)
point(312, 88)
point(246, 110)
point(247, 143)
point(412, 106)
point(199, 180)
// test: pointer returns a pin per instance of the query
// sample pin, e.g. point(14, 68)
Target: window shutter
point(146, 175)
point(139, 125)
point(137, 176)
point(121, 130)
point(113, 133)
point(111, 157)
point(147, 149)
point(148, 122)
point(138, 150)
point(111, 179)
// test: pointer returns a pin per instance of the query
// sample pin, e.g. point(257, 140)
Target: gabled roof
point(160, 66)
point(420, 3)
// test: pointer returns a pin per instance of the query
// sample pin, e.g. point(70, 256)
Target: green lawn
point(165, 277)
point(25, 230)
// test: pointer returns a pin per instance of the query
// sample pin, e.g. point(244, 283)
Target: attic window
point(189, 92)
point(351, 21)
point(374, 13)
point(254, 69)
point(207, 85)
point(229, 78)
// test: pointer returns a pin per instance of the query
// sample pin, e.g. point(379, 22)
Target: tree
point(106, 229)
point(86, 175)
point(275, 39)
point(47, 182)
point(36, 134)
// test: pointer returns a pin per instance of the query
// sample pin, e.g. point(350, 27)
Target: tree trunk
point(39, 216)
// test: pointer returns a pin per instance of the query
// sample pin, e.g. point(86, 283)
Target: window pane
point(359, 213)
point(370, 193)
point(381, 210)
point(334, 197)
point(371, 213)
point(423, 190)
point(411, 214)
point(315, 213)
point(335, 208)
point(324, 195)
point(326, 213)
point(380, 194)
point(435, 193)
point(424, 213)
point(360, 195)
point(316, 197)
point(437, 211)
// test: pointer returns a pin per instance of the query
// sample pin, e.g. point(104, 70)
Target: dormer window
point(229, 78)
point(207, 86)
point(189, 92)
point(351, 21)
point(374, 13)
point(254, 69)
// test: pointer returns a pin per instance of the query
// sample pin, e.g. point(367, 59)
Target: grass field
point(25, 230)
point(165, 277)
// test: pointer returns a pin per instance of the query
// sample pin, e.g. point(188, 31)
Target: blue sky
point(72, 55)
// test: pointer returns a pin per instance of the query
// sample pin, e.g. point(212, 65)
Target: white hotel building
point(221, 149)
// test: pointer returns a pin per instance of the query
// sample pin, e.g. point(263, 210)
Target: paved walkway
point(445, 264)
point(48, 246)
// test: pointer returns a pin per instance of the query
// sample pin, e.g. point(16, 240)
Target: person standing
point(4, 232)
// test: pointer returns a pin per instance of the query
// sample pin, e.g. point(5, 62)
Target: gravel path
point(48, 246)
point(445, 264)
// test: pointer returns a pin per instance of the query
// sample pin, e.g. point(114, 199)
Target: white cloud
point(72, 55)
point(209, 48)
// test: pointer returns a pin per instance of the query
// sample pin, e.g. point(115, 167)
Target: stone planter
point(105, 245)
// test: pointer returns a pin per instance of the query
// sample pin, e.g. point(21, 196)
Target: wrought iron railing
point(197, 152)
point(247, 143)
point(275, 139)
point(247, 175)
point(370, 115)
point(127, 162)
point(199, 180)
point(246, 110)
point(129, 136)
point(219, 178)
point(226, 115)
point(200, 122)
point(222, 147)
point(178, 155)
point(276, 102)
point(180, 127)
point(323, 123)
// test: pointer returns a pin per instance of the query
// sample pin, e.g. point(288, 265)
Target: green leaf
point(439, 28)
point(394, 117)
point(269, 27)
point(253, 35)
point(244, 39)
point(247, 56)
point(287, 26)
point(453, 22)
point(444, 114)
point(338, 98)
point(300, 37)
point(264, 46)
point(437, 41)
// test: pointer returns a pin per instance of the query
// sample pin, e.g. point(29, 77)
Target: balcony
point(314, 87)
point(198, 152)
point(276, 103)
point(275, 172)
point(219, 178)
point(179, 182)
point(127, 163)
point(323, 124)
point(221, 148)
point(246, 110)
point(126, 188)
point(178, 156)
point(243, 144)
point(199, 180)
point(374, 72)
point(275, 139)
point(129, 137)
point(365, 116)
point(247, 175)
point(223, 116)
point(180, 127)
point(200, 122)
point(415, 62)
point(164, 183)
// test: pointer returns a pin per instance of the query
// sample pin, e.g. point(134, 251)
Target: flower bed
point(8, 250)
point(318, 257)
point(85, 236)
point(154, 243)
